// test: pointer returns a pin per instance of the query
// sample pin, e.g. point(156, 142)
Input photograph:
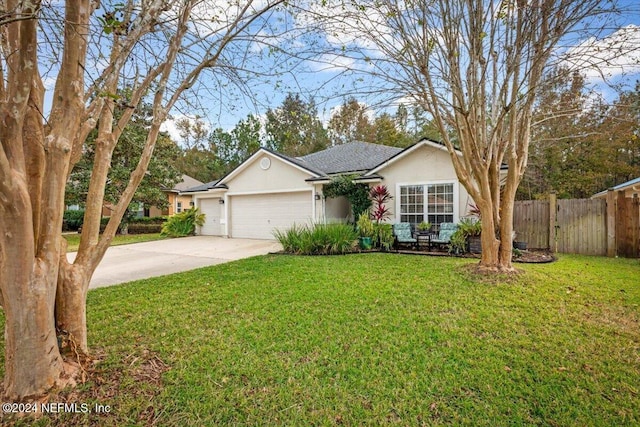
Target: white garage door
point(211, 209)
point(257, 216)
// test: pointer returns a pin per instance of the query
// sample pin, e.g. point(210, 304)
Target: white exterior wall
point(278, 177)
point(337, 209)
point(268, 185)
point(425, 165)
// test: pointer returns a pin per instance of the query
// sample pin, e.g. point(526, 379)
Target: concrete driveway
point(151, 259)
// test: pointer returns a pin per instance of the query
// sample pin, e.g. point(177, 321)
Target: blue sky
point(328, 83)
point(224, 102)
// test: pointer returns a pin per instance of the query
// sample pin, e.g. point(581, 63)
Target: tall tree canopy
point(161, 174)
point(294, 128)
point(234, 147)
point(580, 143)
point(351, 122)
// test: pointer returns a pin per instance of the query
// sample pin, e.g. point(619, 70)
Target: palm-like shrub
point(183, 224)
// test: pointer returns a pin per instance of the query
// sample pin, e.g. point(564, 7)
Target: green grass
point(375, 339)
point(73, 240)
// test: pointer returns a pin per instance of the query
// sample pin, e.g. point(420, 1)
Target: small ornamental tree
point(380, 196)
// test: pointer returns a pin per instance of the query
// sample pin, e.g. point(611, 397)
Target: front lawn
point(73, 240)
point(369, 339)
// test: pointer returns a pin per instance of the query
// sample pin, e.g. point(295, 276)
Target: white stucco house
point(270, 190)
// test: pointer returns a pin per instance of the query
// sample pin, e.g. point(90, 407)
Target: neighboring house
point(630, 189)
point(177, 202)
point(272, 191)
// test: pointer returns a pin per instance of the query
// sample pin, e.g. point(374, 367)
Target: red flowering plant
point(384, 235)
point(380, 195)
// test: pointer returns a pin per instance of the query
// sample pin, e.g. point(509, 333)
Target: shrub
point(458, 242)
point(470, 227)
point(319, 239)
point(365, 225)
point(385, 238)
point(144, 228)
point(183, 224)
point(148, 220)
point(72, 220)
point(291, 239)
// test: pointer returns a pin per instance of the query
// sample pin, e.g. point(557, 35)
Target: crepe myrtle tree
point(474, 67)
point(158, 50)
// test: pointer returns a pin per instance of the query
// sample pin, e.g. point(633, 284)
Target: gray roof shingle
point(203, 187)
point(350, 157)
point(344, 158)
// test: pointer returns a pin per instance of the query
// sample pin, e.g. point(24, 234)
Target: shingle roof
point(345, 158)
point(350, 157)
point(186, 183)
point(203, 187)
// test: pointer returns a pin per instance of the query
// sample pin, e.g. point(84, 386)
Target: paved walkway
point(151, 259)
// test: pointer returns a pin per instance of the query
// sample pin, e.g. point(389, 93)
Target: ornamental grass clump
point(318, 239)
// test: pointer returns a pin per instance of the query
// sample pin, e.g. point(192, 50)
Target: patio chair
point(403, 235)
point(444, 235)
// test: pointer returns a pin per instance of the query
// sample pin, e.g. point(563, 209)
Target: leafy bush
point(183, 224)
point(365, 226)
point(470, 227)
point(458, 242)
point(385, 238)
point(424, 226)
point(319, 239)
point(144, 228)
point(147, 220)
point(466, 228)
point(72, 220)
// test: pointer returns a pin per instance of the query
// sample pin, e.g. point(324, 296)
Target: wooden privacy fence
point(608, 226)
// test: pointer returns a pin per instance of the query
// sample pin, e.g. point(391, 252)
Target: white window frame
point(424, 184)
point(178, 207)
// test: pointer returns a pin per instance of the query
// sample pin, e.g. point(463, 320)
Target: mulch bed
point(527, 256)
point(138, 376)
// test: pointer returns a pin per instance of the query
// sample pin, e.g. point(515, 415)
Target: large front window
point(430, 202)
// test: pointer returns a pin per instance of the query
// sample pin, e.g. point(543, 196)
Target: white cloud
point(332, 63)
point(613, 56)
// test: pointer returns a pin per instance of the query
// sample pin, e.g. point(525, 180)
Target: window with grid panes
point(412, 204)
point(430, 202)
point(439, 203)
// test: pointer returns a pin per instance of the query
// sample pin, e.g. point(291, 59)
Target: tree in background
point(580, 144)
point(389, 132)
point(162, 172)
point(294, 128)
point(234, 147)
point(351, 123)
point(196, 158)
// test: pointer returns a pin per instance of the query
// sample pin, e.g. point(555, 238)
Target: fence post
point(553, 212)
point(611, 223)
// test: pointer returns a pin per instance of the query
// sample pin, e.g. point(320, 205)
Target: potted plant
point(458, 244)
point(472, 229)
point(424, 227)
point(365, 231)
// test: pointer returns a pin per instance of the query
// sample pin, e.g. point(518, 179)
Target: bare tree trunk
point(32, 363)
point(71, 301)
